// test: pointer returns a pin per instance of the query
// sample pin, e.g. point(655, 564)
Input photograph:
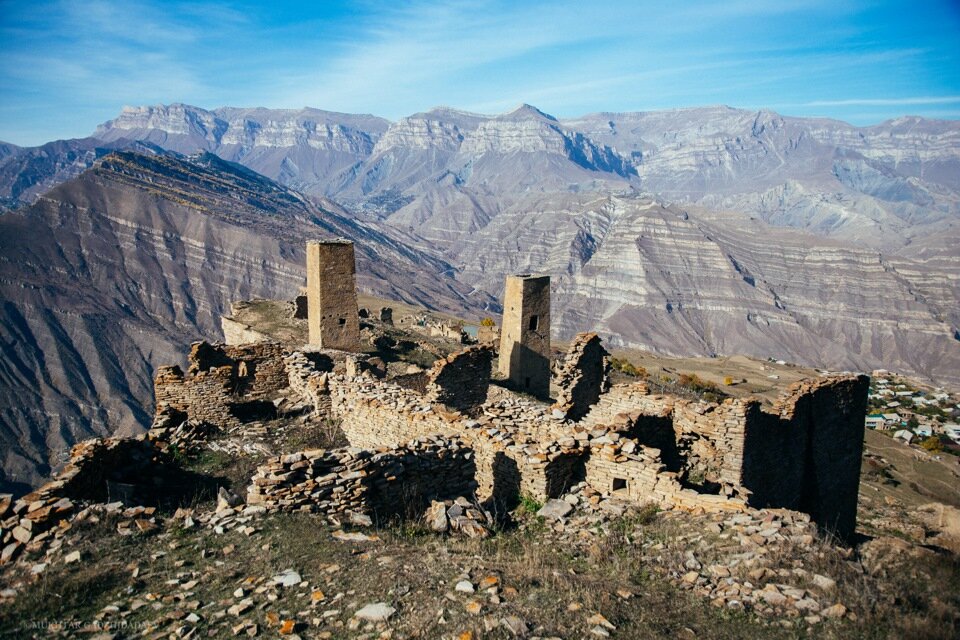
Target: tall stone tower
point(332, 313)
point(525, 334)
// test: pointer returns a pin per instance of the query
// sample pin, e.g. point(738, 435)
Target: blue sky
point(67, 66)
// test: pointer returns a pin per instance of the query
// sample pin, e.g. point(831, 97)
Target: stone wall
point(803, 454)
point(525, 335)
point(127, 470)
point(300, 309)
point(581, 376)
point(449, 330)
point(309, 383)
point(806, 453)
point(488, 335)
point(460, 381)
point(344, 481)
point(332, 313)
point(409, 445)
point(634, 472)
point(222, 381)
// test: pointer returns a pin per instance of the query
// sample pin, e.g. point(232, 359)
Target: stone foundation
point(398, 482)
point(803, 454)
point(224, 383)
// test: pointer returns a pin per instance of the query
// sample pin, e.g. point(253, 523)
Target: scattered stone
point(464, 586)
point(555, 509)
point(488, 582)
point(288, 578)
point(375, 612)
point(515, 625)
point(353, 536)
point(824, 583)
point(436, 517)
point(600, 620)
point(72, 557)
point(474, 607)
point(836, 611)
point(241, 607)
point(691, 577)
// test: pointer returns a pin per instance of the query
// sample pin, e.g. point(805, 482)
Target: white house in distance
point(924, 430)
point(892, 420)
point(904, 434)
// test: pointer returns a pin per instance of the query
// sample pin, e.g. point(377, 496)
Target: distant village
point(928, 418)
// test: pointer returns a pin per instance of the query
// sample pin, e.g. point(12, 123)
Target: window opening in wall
point(619, 484)
point(343, 321)
point(534, 322)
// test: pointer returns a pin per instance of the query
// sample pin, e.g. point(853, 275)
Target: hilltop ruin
point(448, 431)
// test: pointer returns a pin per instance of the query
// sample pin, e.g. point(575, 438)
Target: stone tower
point(332, 313)
point(525, 335)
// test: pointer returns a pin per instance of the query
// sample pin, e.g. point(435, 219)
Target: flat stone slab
point(555, 509)
point(376, 612)
point(288, 578)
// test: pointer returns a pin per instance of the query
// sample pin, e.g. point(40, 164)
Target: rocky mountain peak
point(527, 112)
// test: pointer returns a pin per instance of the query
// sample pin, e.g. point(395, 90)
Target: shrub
point(627, 368)
point(488, 322)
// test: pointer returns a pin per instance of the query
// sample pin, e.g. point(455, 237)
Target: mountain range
point(695, 231)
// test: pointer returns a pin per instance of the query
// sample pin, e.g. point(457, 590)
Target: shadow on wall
point(506, 484)
point(809, 459)
point(134, 472)
point(529, 371)
point(418, 479)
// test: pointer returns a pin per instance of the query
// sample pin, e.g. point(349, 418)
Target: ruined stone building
point(448, 431)
point(332, 296)
point(525, 334)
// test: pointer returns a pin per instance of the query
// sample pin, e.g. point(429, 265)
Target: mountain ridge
point(109, 275)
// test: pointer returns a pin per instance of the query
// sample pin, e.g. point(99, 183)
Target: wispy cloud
point(884, 102)
point(66, 65)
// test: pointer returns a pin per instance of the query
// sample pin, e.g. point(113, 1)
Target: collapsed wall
point(224, 384)
point(400, 481)
point(132, 471)
point(623, 441)
point(581, 376)
point(805, 454)
point(460, 381)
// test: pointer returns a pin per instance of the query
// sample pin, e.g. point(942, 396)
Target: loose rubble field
point(201, 562)
point(585, 565)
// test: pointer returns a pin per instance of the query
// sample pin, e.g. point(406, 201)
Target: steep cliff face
point(806, 239)
point(108, 276)
point(879, 186)
point(304, 148)
point(684, 281)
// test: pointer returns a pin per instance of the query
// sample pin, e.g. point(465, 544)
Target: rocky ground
point(583, 566)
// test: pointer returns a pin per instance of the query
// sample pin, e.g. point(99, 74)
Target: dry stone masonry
point(332, 313)
point(352, 481)
point(460, 381)
point(582, 376)
point(447, 432)
point(224, 384)
point(525, 335)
